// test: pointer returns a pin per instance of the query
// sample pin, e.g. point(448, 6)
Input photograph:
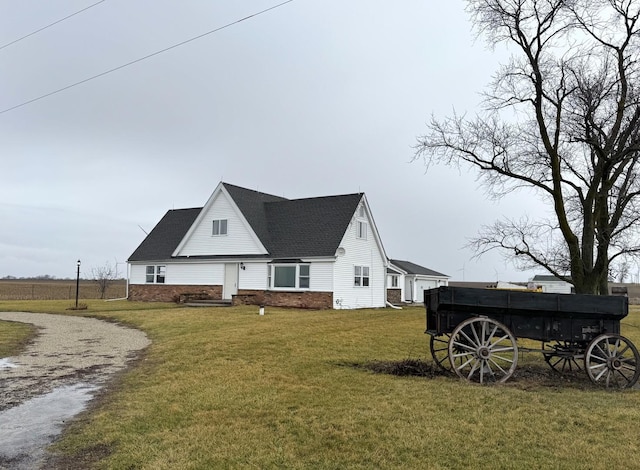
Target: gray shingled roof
point(287, 228)
point(166, 235)
point(547, 278)
point(412, 268)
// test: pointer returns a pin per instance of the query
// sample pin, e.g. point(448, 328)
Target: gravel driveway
point(54, 378)
point(67, 350)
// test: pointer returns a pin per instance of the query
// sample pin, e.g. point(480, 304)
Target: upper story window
point(219, 227)
point(289, 276)
point(361, 230)
point(156, 274)
point(361, 276)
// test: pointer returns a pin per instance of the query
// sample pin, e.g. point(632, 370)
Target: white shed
point(551, 284)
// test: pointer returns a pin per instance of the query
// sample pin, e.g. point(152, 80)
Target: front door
point(230, 287)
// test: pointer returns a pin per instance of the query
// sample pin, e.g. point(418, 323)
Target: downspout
point(126, 291)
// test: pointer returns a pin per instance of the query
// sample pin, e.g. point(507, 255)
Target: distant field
point(55, 289)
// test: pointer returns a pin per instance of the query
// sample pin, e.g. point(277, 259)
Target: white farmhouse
point(248, 247)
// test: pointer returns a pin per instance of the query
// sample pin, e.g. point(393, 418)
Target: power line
point(52, 24)
point(102, 74)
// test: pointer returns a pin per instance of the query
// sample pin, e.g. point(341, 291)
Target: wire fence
point(58, 290)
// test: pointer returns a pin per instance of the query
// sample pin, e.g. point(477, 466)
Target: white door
point(230, 287)
point(408, 290)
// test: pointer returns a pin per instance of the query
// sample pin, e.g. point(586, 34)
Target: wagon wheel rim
point(483, 350)
point(563, 356)
point(439, 346)
point(612, 361)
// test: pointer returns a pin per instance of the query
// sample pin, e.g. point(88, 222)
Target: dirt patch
point(525, 377)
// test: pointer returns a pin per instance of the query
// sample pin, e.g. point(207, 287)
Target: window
point(361, 211)
point(361, 230)
point(394, 281)
point(303, 277)
point(156, 274)
point(289, 276)
point(220, 227)
point(361, 276)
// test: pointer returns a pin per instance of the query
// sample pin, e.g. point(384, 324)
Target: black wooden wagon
point(474, 333)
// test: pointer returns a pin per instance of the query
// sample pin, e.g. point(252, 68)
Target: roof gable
point(241, 238)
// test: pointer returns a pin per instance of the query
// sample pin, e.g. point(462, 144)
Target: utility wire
point(50, 25)
point(46, 95)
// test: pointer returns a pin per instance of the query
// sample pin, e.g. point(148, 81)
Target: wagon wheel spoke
point(483, 350)
point(466, 346)
point(619, 371)
point(612, 360)
point(562, 356)
point(439, 346)
point(469, 340)
point(505, 359)
point(606, 353)
point(493, 332)
point(498, 366)
point(475, 335)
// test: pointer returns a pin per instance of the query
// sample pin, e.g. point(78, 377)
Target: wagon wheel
point(562, 356)
point(439, 346)
point(483, 350)
point(613, 361)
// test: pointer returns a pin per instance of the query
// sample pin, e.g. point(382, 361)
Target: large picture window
point(156, 274)
point(361, 276)
point(289, 276)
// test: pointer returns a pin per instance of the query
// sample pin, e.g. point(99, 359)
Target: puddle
point(27, 429)
point(7, 364)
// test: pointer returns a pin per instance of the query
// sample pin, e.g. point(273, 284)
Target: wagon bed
point(533, 315)
point(473, 331)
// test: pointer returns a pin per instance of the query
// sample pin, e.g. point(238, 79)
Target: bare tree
point(104, 276)
point(561, 117)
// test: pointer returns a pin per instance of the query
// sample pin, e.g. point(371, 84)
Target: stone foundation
point(394, 296)
point(304, 299)
point(170, 293)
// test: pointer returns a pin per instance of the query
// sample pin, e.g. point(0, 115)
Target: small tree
point(104, 276)
point(562, 118)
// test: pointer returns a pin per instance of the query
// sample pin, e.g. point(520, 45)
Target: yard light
point(77, 283)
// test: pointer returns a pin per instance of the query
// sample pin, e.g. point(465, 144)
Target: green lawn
point(14, 336)
point(227, 388)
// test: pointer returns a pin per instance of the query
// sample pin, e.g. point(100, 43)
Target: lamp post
point(77, 283)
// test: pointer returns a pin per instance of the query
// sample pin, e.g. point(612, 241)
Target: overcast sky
point(314, 98)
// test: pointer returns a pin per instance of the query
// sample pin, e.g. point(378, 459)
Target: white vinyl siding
point(183, 274)
point(359, 252)
point(239, 241)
